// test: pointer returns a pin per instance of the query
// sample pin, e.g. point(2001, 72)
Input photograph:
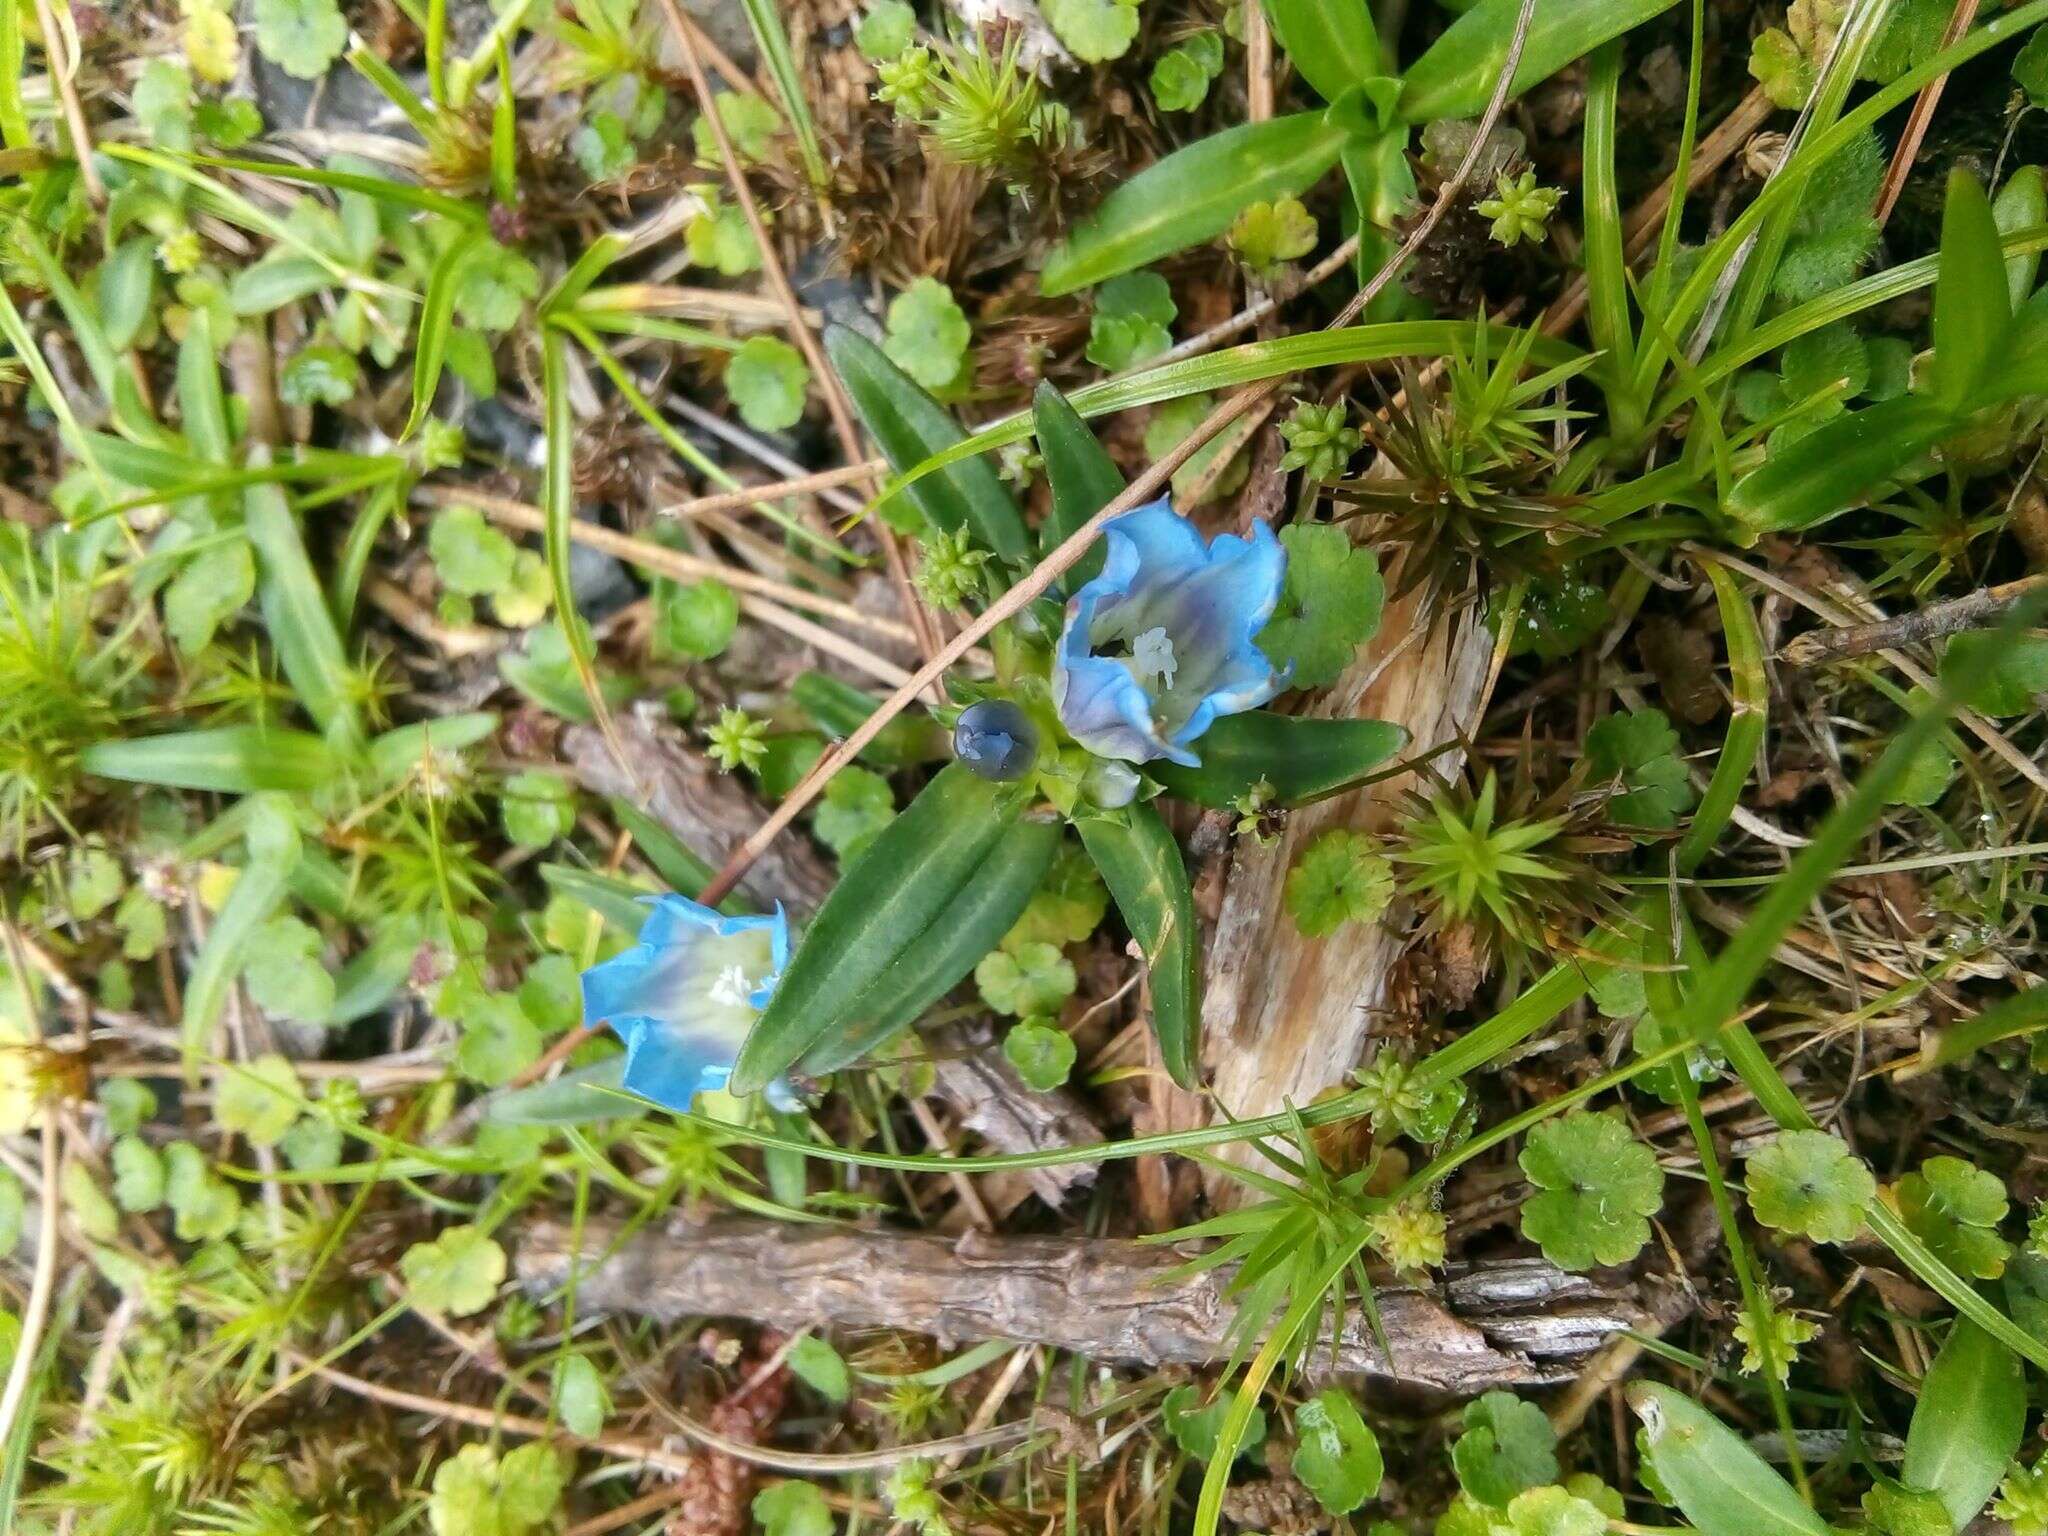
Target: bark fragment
point(1283, 1016)
point(1514, 1323)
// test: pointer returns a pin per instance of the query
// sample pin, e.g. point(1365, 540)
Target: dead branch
point(1517, 1323)
point(1976, 610)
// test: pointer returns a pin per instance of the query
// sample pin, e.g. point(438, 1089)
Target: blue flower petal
point(671, 996)
point(1209, 600)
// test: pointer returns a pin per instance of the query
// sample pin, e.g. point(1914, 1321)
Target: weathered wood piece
point(1283, 1016)
point(1517, 1323)
point(971, 1074)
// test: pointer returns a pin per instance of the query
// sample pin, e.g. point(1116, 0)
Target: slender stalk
point(778, 280)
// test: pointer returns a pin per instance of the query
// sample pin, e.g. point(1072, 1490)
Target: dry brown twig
point(1923, 113)
point(1835, 613)
point(1512, 1322)
point(1975, 610)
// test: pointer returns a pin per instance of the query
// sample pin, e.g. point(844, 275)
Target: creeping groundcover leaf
point(766, 379)
point(1955, 1208)
point(1554, 1512)
point(1031, 978)
point(493, 286)
point(792, 1509)
point(928, 333)
point(1508, 1445)
point(1268, 235)
point(1638, 753)
point(456, 1273)
point(1810, 1183)
point(821, 1368)
point(1337, 1458)
point(1339, 878)
point(260, 1099)
point(301, 37)
point(854, 809)
point(1095, 31)
point(1132, 313)
point(1330, 603)
point(1042, 1054)
point(1599, 1186)
point(471, 556)
point(1195, 1426)
point(478, 1493)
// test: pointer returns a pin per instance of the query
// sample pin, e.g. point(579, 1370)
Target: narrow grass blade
point(773, 41)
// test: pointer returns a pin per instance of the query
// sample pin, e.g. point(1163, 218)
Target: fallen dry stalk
point(1514, 1323)
point(1978, 610)
point(676, 563)
point(654, 1453)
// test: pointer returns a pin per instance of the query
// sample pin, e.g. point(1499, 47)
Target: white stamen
point(732, 988)
point(1152, 656)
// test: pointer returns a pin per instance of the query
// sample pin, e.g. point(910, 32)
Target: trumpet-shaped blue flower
point(1161, 643)
point(684, 997)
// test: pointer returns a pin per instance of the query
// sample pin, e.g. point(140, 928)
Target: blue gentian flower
point(684, 997)
point(1161, 643)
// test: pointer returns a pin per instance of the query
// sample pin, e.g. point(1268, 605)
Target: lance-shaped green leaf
point(582, 1097)
point(273, 843)
point(1722, 1486)
point(682, 869)
point(1968, 1418)
point(274, 282)
point(619, 902)
point(985, 909)
point(839, 709)
point(1147, 878)
point(1194, 195)
point(910, 426)
point(877, 925)
point(228, 759)
point(437, 319)
point(1747, 723)
point(1331, 42)
point(397, 752)
point(201, 405)
point(1456, 75)
point(1083, 477)
point(301, 624)
point(2021, 206)
point(1972, 307)
point(372, 978)
point(1248, 364)
point(1301, 760)
point(1833, 467)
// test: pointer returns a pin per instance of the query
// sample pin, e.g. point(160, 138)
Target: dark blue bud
point(996, 740)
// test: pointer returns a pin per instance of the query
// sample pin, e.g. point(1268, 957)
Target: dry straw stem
point(660, 558)
point(42, 1285)
point(778, 280)
point(63, 65)
point(654, 1453)
point(1141, 490)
